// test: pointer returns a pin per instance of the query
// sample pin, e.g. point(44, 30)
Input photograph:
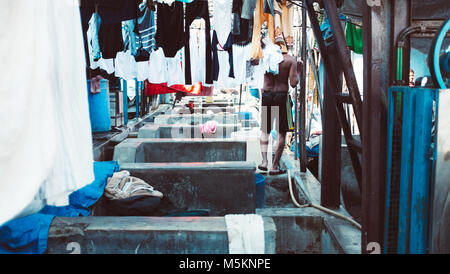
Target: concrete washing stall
point(137, 150)
point(196, 119)
point(211, 174)
point(185, 131)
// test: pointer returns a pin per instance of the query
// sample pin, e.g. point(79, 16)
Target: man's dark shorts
point(274, 108)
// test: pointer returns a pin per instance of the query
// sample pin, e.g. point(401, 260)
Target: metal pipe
point(401, 44)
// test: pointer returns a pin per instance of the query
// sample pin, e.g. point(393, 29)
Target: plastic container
point(254, 92)
point(99, 107)
point(260, 182)
point(245, 115)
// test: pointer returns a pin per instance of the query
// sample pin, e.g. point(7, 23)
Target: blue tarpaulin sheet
point(28, 235)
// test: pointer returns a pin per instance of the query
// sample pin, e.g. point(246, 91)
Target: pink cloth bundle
point(209, 127)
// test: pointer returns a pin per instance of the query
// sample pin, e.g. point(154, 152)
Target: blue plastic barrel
point(99, 108)
point(260, 182)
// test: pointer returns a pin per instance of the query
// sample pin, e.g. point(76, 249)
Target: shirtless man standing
point(274, 96)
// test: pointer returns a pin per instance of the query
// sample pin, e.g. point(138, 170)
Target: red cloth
point(196, 89)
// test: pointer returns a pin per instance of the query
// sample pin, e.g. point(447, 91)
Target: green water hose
point(324, 209)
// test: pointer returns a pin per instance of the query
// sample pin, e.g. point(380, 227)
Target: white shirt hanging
point(126, 66)
point(222, 19)
point(158, 67)
point(46, 140)
point(175, 73)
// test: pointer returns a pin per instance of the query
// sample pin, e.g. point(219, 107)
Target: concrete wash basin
point(224, 188)
point(202, 110)
point(196, 119)
point(138, 150)
point(185, 131)
point(219, 187)
point(286, 231)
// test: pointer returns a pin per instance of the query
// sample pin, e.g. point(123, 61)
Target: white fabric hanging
point(223, 81)
point(175, 73)
point(197, 50)
point(240, 57)
point(45, 137)
point(158, 67)
point(143, 70)
point(126, 67)
point(222, 19)
point(272, 56)
point(105, 64)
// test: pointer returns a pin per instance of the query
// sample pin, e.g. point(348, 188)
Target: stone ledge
point(146, 235)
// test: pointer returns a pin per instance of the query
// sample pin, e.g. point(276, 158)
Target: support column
point(377, 52)
point(331, 137)
point(302, 99)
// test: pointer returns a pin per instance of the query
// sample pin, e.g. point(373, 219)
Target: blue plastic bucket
point(260, 182)
point(99, 108)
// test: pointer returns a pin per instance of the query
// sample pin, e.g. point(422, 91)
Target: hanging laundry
point(269, 7)
point(229, 48)
point(147, 27)
point(175, 73)
point(158, 70)
point(94, 25)
point(45, 148)
point(222, 19)
point(215, 57)
point(224, 37)
point(240, 57)
point(143, 70)
point(325, 28)
point(155, 89)
point(197, 47)
point(126, 67)
point(283, 24)
point(223, 79)
point(170, 28)
point(272, 57)
point(248, 8)
point(129, 34)
point(260, 18)
point(242, 27)
point(138, 34)
point(112, 13)
point(194, 10)
point(354, 37)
